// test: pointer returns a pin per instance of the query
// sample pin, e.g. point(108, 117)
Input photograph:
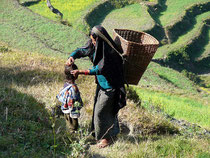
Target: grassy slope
point(190, 109)
point(166, 79)
point(175, 9)
point(206, 51)
point(31, 82)
point(28, 131)
point(21, 28)
point(184, 39)
point(156, 78)
point(72, 11)
point(155, 147)
point(182, 97)
point(159, 75)
point(135, 17)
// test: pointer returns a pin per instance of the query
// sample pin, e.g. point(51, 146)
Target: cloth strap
point(97, 32)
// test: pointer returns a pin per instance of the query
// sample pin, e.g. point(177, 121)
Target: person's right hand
point(75, 73)
point(70, 61)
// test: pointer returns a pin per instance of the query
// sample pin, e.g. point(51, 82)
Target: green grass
point(25, 127)
point(171, 147)
point(134, 17)
point(184, 39)
point(27, 130)
point(166, 79)
point(71, 10)
point(137, 14)
point(175, 10)
point(21, 28)
point(156, 147)
point(29, 83)
point(192, 110)
point(206, 49)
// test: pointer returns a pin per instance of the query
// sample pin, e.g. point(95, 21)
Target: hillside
point(168, 111)
point(28, 127)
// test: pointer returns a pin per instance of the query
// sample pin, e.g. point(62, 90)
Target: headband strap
point(97, 32)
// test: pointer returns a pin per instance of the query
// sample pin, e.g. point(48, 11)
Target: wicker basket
point(139, 47)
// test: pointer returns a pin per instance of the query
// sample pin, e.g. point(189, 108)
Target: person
point(70, 98)
point(110, 92)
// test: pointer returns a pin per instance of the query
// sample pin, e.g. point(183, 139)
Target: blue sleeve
point(94, 70)
point(79, 52)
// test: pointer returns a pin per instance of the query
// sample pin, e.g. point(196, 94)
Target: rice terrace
point(167, 112)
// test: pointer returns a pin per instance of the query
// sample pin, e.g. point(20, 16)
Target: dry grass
point(142, 132)
point(41, 76)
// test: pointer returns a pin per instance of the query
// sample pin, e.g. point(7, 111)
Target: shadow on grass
point(139, 139)
point(25, 127)
point(28, 77)
point(197, 48)
point(205, 63)
point(161, 7)
point(97, 156)
point(158, 31)
point(167, 80)
point(132, 95)
point(97, 16)
point(25, 123)
point(30, 3)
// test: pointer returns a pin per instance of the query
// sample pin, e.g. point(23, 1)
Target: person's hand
point(70, 61)
point(75, 73)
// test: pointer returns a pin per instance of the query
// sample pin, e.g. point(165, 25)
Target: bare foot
point(104, 143)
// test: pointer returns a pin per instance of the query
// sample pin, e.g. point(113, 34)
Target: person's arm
point(93, 71)
point(78, 53)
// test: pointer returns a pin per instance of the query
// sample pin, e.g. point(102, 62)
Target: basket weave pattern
point(139, 47)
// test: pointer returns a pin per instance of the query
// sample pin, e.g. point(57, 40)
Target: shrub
point(180, 56)
point(3, 49)
point(193, 77)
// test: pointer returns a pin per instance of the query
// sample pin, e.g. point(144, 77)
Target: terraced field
point(23, 29)
point(73, 11)
point(135, 17)
point(176, 82)
point(186, 39)
point(175, 10)
point(162, 20)
point(62, 41)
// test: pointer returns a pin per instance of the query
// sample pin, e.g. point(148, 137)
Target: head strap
point(97, 32)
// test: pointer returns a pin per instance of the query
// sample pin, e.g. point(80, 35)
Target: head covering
point(108, 57)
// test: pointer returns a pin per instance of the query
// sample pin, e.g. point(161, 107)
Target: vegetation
point(175, 9)
point(72, 11)
point(29, 83)
point(186, 39)
point(185, 108)
point(167, 112)
point(35, 33)
point(35, 131)
point(134, 14)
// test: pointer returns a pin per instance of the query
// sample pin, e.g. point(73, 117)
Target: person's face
point(93, 40)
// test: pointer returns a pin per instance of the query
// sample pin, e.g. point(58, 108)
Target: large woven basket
point(139, 47)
